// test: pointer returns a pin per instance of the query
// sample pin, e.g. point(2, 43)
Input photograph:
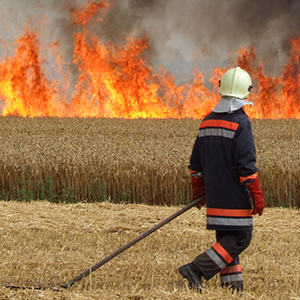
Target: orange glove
point(198, 188)
point(257, 197)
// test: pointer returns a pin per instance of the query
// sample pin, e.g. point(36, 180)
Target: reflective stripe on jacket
point(224, 152)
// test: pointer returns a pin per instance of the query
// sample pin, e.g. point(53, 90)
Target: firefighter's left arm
point(195, 163)
point(197, 179)
point(198, 187)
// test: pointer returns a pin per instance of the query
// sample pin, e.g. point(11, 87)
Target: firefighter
point(223, 169)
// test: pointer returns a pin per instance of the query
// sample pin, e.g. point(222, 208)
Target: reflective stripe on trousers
point(223, 254)
point(232, 273)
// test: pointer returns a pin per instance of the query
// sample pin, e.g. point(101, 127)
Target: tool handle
point(128, 245)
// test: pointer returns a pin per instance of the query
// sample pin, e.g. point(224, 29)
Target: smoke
point(180, 33)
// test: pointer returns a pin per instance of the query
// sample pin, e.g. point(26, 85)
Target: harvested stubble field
point(129, 161)
point(48, 244)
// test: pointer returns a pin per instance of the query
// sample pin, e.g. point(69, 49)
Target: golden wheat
point(136, 161)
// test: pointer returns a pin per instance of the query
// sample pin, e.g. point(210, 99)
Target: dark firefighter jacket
point(224, 152)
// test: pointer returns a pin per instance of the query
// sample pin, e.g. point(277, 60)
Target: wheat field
point(75, 190)
point(46, 244)
point(70, 160)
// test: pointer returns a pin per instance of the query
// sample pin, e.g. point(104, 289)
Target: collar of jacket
point(230, 105)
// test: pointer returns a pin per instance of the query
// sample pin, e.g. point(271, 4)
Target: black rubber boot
point(193, 275)
point(237, 286)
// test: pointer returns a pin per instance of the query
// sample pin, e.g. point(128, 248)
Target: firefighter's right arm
point(257, 196)
point(246, 160)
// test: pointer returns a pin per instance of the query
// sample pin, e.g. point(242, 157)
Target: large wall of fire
point(113, 76)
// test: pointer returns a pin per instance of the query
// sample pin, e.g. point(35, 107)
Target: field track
point(49, 244)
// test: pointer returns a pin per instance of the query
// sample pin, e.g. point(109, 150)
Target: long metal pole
point(125, 247)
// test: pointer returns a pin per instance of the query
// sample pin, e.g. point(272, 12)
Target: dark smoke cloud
point(177, 30)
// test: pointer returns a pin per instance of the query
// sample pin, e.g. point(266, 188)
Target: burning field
point(106, 125)
point(47, 245)
point(94, 150)
point(111, 79)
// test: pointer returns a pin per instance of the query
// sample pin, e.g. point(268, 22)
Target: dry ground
point(49, 244)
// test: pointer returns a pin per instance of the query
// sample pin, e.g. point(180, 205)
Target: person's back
point(227, 152)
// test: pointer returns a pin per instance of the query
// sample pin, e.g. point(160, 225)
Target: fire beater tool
point(114, 254)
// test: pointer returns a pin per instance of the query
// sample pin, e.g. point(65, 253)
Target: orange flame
point(117, 82)
point(23, 86)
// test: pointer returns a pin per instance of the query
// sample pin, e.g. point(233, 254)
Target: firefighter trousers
point(223, 257)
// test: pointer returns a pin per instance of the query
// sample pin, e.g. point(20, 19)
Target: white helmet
point(236, 82)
